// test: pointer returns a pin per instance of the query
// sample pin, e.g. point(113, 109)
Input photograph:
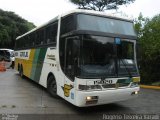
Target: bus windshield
point(126, 61)
point(100, 59)
point(97, 57)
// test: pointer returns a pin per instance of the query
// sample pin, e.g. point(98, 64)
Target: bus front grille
point(117, 85)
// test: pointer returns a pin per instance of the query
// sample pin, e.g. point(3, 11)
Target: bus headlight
point(90, 87)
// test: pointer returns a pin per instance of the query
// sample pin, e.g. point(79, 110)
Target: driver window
point(71, 57)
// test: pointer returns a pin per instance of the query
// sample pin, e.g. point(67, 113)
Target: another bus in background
point(8, 56)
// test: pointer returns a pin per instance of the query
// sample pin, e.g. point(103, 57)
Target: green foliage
point(100, 5)
point(140, 23)
point(11, 26)
point(149, 40)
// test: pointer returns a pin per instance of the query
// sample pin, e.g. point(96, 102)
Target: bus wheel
point(12, 65)
point(52, 86)
point(21, 71)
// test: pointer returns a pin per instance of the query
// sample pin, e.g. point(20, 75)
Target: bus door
point(71, 61)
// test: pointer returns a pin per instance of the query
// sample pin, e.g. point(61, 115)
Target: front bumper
point(105, 96)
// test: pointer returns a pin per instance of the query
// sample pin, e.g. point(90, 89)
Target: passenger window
point(40, 37)
point(32, 39)
point(68, 24)
point(51, 33)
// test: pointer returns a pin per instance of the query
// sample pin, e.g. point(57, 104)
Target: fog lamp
point(91, 99)
point(134, 93)
point(88, 98)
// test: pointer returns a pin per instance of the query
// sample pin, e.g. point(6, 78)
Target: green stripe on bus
point(40, 63)
point(34, 63)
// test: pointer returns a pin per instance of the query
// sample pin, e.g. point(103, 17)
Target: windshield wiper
point(129, 72)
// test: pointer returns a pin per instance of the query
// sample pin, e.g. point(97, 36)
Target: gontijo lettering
point(23, 54)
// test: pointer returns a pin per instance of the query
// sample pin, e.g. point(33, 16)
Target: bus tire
point(52, 86)
point(18, 67)
point(21, 71)
point(12, 65)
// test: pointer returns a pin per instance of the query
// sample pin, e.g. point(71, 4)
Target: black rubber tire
point(12, 65)
point(21, 71)
point(52, 86)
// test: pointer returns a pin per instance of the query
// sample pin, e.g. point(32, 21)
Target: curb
point(150, 87)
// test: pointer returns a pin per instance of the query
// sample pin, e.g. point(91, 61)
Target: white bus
point(8, 56)
point(88, 58)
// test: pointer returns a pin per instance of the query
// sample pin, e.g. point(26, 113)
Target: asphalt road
point(23, 96)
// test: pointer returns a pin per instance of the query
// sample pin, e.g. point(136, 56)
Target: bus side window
point(54, 32)
point(1, 54)
point(32, 39)
point(21, 41)
point(48, 34)
point(68, 24)
point(51, 33)
point(40, 37)
point(37, 38)
point(26, 41)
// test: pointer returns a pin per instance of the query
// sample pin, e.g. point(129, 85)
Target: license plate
point(103, 82)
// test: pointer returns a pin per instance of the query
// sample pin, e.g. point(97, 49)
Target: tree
point(149, 40)
point(100, 5)
point(140, 22)
point(11, 26)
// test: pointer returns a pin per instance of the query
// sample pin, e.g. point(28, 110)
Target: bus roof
point(98, 13)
